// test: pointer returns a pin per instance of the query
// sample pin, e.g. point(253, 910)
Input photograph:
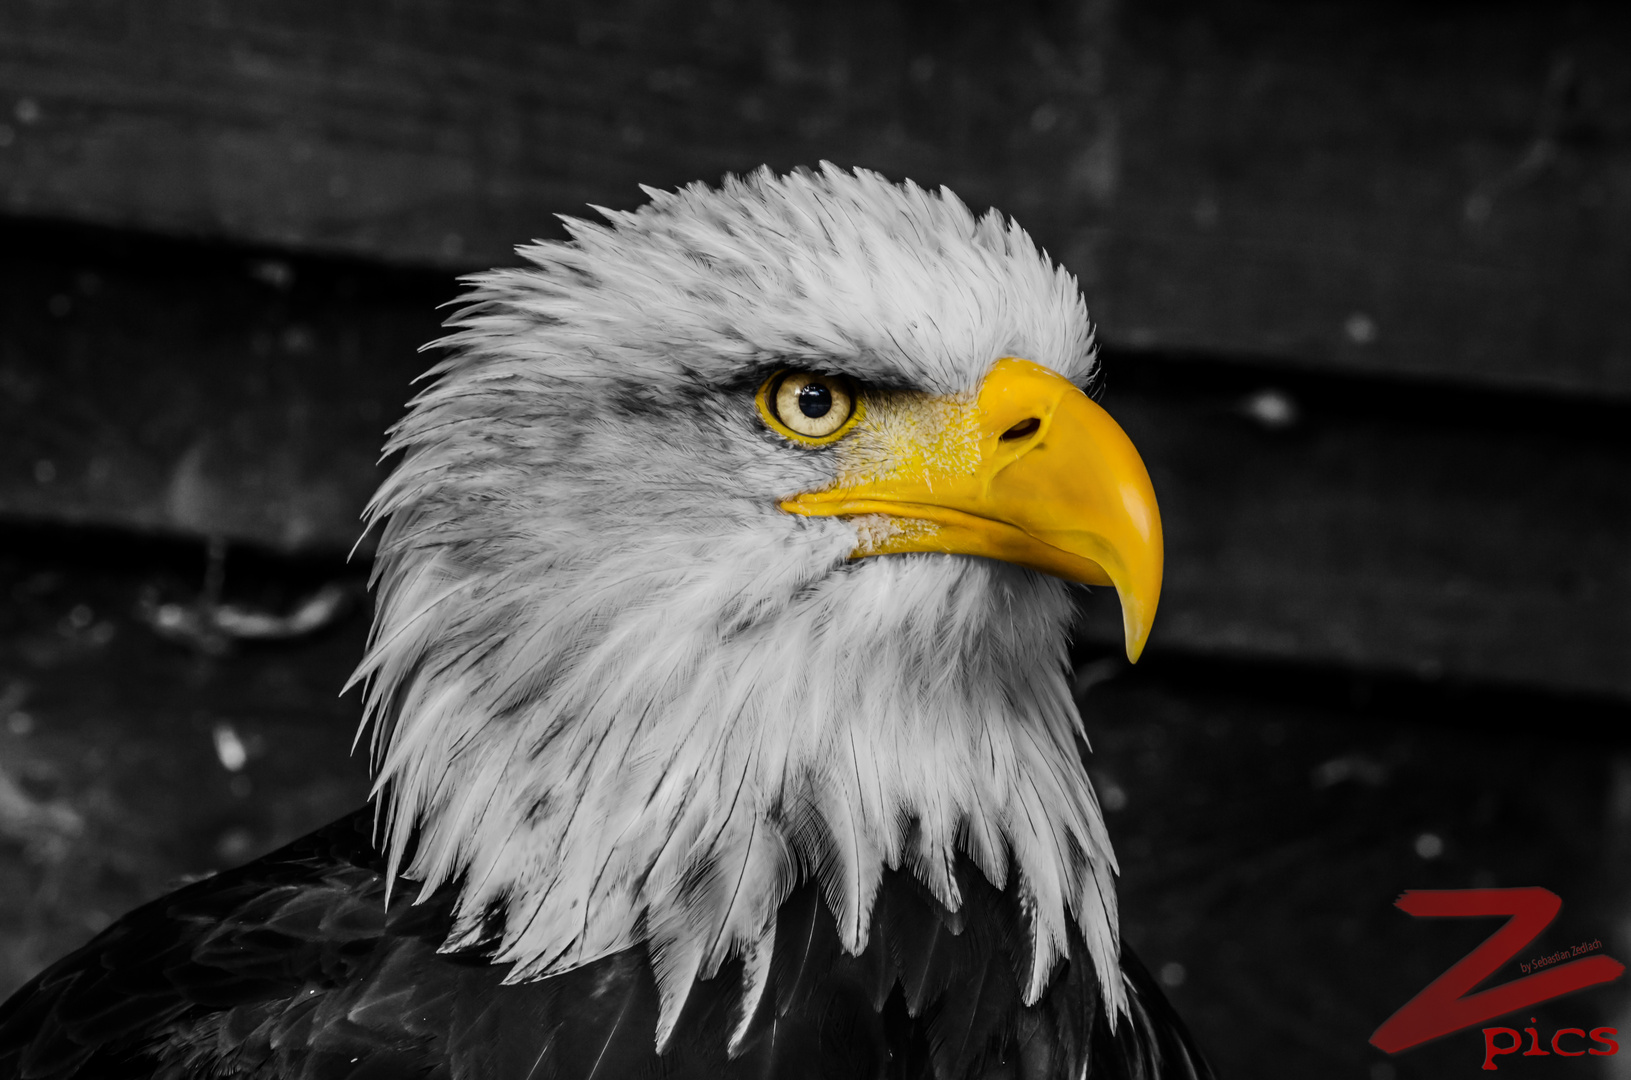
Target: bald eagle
point(716, 690)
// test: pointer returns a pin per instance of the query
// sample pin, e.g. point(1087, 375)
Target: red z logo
point(1445, 1006)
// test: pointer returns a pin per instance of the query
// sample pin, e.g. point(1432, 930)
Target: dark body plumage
point(292, 966)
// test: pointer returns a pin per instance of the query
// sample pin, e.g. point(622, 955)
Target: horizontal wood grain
point(1423, 189)
point(182, 389)
point(1386, 525)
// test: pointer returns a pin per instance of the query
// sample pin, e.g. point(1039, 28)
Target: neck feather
point(660, 748)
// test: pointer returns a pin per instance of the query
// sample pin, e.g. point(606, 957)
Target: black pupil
point(815, 400)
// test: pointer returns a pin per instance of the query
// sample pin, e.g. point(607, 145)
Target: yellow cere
point(912, 434)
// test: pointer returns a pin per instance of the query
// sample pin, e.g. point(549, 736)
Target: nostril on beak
point(1025, 427)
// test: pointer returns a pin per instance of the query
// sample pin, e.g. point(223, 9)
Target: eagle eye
point(809, 408)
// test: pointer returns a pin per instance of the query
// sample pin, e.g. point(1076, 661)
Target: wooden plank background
point(1433, 190)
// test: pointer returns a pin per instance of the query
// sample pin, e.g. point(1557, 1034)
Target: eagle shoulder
point(294, 966)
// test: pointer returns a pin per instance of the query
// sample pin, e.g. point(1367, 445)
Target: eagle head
point(733, 544)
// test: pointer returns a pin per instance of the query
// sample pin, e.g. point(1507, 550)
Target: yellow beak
point(1032, 472)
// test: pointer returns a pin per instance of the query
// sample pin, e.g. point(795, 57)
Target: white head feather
point(618, 693)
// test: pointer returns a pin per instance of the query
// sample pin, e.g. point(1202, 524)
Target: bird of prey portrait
point(717, 691)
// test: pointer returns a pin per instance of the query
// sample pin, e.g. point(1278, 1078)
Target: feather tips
point(296, 966)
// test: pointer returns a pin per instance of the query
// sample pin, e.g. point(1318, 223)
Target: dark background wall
point(1361, 270)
